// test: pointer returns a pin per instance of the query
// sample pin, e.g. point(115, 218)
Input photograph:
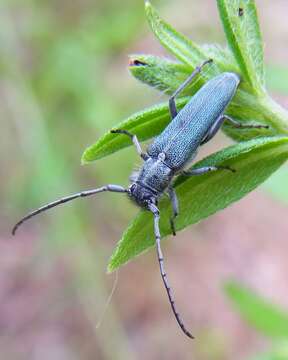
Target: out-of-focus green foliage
point(266, 317)
point(269, 319)
point(57, 66)
point(278, 352)
point(277, 78)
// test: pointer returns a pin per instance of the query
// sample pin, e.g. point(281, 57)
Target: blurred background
point(63, 83)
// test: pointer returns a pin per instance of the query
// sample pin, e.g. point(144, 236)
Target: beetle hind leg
point(235, 123)
point(239, 125)
point(213, 130)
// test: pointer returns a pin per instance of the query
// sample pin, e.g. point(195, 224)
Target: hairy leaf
point(163, 74)
point(201, 196)
point(179, 45)
point(244, 39)
point(183, 48)
point(144, 124)
point(167, 75)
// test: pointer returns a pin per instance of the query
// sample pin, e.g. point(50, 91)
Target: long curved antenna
point(156, 214)
point(113, 188)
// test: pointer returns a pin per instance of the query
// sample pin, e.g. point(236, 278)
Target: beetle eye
point(132, 187)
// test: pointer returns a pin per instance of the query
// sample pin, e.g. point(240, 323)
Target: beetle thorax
point(151, 181)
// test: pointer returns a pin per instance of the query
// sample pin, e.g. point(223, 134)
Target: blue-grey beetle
point(170, 152)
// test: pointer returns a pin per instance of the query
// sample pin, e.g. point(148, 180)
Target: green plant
point(256, 157)
point(268, 319)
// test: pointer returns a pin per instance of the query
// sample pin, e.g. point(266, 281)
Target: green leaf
point(222, 55)
point(183, 48)
point(167, 75)
point(244, 39)
point(179, 45)
point(201, 196)
point(144, 124)
point(162, 74)
point(264, 316)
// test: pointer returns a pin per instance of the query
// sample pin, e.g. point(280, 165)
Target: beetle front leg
point(135, 141)
point(206, 169)
point(175, 208)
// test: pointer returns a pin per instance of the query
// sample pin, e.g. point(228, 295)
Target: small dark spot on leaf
point(135, 62)
point(240, 11)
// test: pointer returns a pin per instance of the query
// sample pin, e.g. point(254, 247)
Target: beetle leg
point(135, 141)
point(216, 126)
point(213, 129)
point(172, 103)
point(175, 207)
point(240, 125)
point(205, 169)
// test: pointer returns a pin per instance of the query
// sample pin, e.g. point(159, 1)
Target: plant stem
point(275, 114)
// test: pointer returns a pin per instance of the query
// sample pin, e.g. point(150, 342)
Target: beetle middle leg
point(172, 103)
point(134, 139)
point(206, 169)
point(175, 208)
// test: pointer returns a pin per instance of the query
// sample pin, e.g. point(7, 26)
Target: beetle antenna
point(113, 188)
point(156, 214)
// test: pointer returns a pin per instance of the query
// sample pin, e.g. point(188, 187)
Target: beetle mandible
point(170, 152)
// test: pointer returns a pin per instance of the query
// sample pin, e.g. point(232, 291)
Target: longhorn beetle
point(169, 153)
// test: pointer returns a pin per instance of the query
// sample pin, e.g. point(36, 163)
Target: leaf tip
point(84, 160)
point(86, 157)
point(110, 267)
point(147, 3)
point(136, 61)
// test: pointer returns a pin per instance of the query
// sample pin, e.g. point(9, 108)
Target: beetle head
point(141, 195)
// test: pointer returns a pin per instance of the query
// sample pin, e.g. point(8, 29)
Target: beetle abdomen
point(184, 134)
